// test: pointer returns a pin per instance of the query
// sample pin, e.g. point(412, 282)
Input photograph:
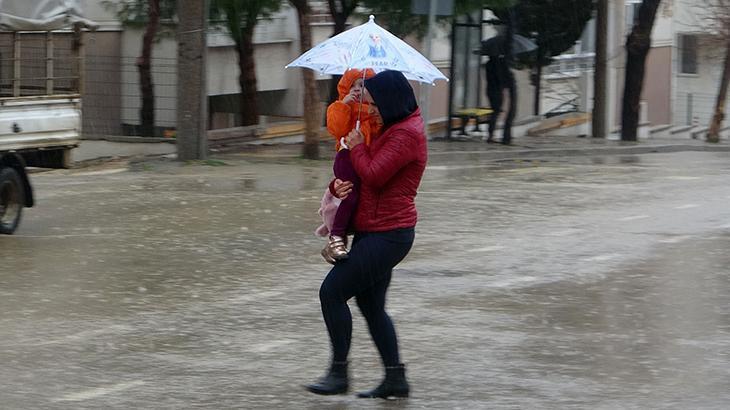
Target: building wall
point(657, 90)
point(280, 90)
point(695, 94)
point(103, 84)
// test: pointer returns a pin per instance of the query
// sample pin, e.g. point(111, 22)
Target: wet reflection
point(532, 284)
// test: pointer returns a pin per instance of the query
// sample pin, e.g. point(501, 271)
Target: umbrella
point(368, 46)
point(495, 46)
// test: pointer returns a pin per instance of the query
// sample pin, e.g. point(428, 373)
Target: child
point(342, 117)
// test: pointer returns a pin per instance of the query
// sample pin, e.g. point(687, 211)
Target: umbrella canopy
point(495, 46)
point(368, 46)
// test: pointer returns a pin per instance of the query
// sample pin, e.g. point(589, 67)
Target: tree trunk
point(192, 94)
point(638, 45)
point(312, 116)
point(713, 135)
point(247, 78)
point(600, 84)
point(339, 11)
point(144, 65)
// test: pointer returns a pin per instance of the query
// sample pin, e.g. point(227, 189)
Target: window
point(631, 13)
point(688, 54)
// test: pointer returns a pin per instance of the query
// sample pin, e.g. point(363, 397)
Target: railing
point(39, 64)
point(570, 65)
point(695, 109)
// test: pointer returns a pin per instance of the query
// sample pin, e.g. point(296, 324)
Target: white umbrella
point(368, 46)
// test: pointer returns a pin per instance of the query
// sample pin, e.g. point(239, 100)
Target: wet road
point(585, 282)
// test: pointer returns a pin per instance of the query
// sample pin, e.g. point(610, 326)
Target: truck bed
point(31, 123)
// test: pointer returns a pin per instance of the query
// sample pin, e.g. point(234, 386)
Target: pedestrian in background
point(500, 78)
point(390, 170)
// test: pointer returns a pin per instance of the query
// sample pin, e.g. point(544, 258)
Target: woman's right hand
point(342, 188)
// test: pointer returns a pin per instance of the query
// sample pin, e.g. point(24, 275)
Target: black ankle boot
point(394, 385)
point(334, 382)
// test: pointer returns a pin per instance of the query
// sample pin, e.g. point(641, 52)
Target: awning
point(41, 15)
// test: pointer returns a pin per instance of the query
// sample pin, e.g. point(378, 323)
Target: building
point(683, 68)
point(112, 97)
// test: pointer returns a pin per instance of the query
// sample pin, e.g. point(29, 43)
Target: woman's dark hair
point(393, 95)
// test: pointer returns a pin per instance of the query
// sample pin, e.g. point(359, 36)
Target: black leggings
point(365, 275)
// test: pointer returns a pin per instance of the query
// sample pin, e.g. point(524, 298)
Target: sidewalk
point(286, 139)
point(521, 147)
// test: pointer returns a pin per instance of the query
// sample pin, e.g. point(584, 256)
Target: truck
point(41, 83)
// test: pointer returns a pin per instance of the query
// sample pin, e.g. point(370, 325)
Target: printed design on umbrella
point(376, 48)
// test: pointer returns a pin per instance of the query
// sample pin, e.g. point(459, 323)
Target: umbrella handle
point(359, 108)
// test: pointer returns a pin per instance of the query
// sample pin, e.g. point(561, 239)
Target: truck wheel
point(11, 200)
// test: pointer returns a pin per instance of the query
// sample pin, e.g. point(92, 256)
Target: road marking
point(687, 206)
point(675, 239)
point(86, 334)
point(635, 217)
point(103, 172)
point(65, 236)
point(487, 249)
point(265, 347)
point(566, 232)
point(682, 178)
point(251, 297)
point(601, 258)
point(99, 391)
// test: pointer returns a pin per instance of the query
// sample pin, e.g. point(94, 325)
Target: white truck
point(41, 80)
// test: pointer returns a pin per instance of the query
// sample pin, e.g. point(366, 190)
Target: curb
point(565, 152)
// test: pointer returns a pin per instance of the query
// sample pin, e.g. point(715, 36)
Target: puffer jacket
point(342, 118)
point(391, 167)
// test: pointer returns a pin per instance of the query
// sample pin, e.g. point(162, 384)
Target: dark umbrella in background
point(495, 46)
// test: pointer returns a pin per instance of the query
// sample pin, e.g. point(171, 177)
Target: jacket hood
point(393, 95)
point(345, 83)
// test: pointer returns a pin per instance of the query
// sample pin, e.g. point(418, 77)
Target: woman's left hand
point(354, 138)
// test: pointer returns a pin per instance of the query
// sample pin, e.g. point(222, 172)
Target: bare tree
point(144, 64)
point(312, 110)
point(718, 17)
point(156, 18)
point(638, 44)
point(340, 10)
point(241, 18)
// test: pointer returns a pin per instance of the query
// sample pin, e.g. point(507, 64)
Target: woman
point(390, 170)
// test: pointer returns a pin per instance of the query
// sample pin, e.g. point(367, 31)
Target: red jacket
point(390, 170)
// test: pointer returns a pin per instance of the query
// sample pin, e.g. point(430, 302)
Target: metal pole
point(689, 109)
point(80, 56)
point(49, 63)
point(16, 64)
point(425, 102)
point(192, 95)
point(454, 28)
point(600, 73)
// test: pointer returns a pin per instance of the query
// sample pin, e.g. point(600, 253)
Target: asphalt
point(556, 282)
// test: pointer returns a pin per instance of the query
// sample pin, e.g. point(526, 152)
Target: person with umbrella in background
point(500, 78)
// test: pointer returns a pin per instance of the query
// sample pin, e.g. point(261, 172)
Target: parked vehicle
point(41, 79)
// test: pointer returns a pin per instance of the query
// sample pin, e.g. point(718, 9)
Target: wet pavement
point(588, 281)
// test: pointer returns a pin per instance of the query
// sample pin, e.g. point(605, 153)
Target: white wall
point(695, 94)
point(164, 78)
point(94, 10)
